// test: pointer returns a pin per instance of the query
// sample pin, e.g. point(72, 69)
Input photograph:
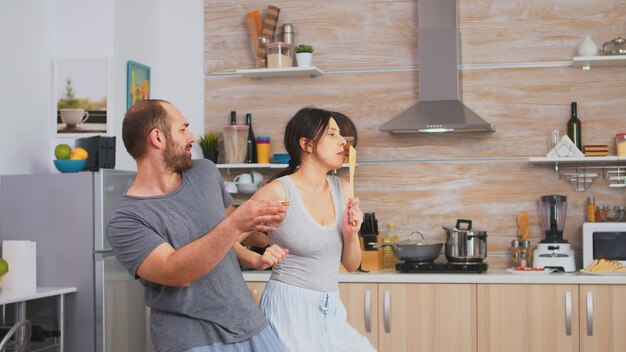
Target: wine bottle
point(233, 117)
point(251, 156)
point(574, 128)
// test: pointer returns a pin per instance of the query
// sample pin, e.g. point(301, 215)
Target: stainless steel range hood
point(439, 109)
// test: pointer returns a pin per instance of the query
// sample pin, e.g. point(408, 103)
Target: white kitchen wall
point(165, 34)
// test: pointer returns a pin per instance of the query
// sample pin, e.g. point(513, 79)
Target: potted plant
point(304, 55)
point(208, 143)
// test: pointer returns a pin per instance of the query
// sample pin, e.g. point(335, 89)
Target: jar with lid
point(279, 54)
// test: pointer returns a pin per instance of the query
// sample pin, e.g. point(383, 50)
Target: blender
point(553, 252)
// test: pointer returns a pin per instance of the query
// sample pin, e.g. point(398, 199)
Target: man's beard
point(176, 159)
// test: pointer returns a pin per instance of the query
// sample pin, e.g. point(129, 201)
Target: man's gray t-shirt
point(215, 308)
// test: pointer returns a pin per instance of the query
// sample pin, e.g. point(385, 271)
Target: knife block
point(371, 260)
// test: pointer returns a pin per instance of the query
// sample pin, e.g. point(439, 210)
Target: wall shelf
point(586, 62)
point(260, 73)
point(575, 160)
point(229, 167)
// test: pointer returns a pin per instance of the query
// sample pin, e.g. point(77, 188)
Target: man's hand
point(257, 216)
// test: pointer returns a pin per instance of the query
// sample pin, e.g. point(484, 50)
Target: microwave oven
point(604, 240)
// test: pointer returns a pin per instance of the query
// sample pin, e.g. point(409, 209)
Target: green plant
point(209, 141)
point(304, 48)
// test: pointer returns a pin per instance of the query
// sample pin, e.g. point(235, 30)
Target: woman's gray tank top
point(314, 250)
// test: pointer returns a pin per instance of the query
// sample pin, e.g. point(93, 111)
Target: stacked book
point(596, 149)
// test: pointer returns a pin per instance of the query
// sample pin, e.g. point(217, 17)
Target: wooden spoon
point(522, 225)
point(352, 166)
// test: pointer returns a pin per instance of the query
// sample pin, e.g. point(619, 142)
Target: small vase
point(304, 59)
point(211, 155)
point(587, 48)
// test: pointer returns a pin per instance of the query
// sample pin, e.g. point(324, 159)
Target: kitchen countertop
point(492, 276)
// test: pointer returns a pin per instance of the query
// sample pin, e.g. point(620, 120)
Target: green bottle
point(574, 129)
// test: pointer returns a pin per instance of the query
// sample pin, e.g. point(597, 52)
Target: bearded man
point(174, 231)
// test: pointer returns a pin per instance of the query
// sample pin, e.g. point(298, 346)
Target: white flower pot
point(304, 59)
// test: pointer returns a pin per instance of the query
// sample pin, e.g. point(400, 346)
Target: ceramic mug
point(243, 179)
point(230, 187)
point(72, 117)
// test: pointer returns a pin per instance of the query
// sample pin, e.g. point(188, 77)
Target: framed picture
point(81, 95)
point(138, 83)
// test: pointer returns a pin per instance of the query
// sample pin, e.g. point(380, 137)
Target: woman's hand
point(272, 255)
point(352, 219)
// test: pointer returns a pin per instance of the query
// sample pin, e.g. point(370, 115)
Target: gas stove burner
point(451, 267)
point(421, 262)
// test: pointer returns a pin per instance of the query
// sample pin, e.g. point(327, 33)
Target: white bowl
point(247, 187)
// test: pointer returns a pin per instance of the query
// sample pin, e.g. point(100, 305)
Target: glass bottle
point(251, 153)
point(574, 128)
point(389, 259)
point(591, 209)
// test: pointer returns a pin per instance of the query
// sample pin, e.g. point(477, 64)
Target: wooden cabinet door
point(427, 317)
point(256, 289)
point(603, 318)
point(528, 318)
point(361, 302)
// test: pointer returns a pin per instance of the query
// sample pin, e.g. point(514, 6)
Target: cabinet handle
point(589, 313)
point(386, 304)
point(568, 313)
point(368, 310)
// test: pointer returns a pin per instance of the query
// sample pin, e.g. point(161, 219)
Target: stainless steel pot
point(411, 250)
point(465, 245)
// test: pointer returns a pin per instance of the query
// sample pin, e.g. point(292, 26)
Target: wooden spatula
point(352, 166)
point(522, 225)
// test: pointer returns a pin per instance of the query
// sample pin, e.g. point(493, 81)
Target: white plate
point(603, 273)
point(530, 272)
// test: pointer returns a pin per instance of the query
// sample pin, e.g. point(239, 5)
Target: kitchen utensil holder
point(582, 177)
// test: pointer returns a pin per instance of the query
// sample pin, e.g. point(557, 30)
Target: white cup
point(230, 187)
point(72, 117)
point(243, 179)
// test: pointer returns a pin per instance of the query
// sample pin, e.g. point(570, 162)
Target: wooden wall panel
point(514, 31)
point(424, 181)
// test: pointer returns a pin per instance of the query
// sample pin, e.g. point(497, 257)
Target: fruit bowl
point(68, 165)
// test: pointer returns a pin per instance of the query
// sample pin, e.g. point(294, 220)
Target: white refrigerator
point(66, 214)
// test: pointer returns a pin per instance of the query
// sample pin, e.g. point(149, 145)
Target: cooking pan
point(411, 250)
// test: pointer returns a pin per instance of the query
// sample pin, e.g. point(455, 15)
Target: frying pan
point(411, 250)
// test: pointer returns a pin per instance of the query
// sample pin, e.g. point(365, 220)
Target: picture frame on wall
point(82, 91)
point(138, 83)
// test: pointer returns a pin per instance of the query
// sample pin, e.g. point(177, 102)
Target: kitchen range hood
point(439, 109)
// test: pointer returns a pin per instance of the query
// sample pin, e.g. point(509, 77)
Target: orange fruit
point(62, 151)
point(79, 154)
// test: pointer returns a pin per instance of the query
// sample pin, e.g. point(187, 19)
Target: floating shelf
point(257, 166)
point(576, 159)
point(586, 62)
point(260, 73)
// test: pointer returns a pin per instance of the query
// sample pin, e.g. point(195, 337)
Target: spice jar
point(600, 214)
point(515, 253)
